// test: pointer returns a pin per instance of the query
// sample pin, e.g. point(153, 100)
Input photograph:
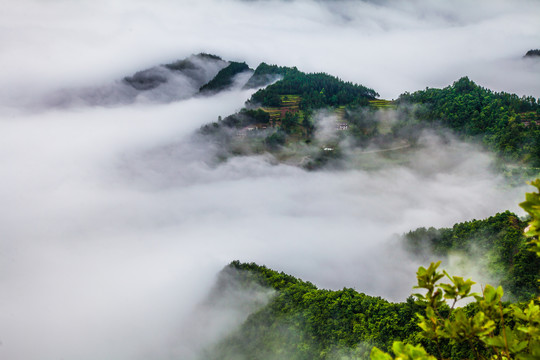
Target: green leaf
point(377, 354)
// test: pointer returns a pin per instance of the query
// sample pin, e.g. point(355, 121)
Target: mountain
point(198, 69)
point(496, 246)
point(225, 78)
point(312, 120)
point(503, 122)
point(301, 321)
point(533, 53)
point(317, 120)
point(194, 75)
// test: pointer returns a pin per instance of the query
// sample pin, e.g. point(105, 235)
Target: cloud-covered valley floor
point(115, 223)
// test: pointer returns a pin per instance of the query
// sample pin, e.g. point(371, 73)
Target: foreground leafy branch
point(494, 331)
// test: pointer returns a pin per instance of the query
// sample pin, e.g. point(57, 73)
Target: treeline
point(242, 119)
point(303, 322)
point(187, 64)
point(224, 78)
point(496, 244)
point(316, 90)
point(504, 122)
point(265, 74)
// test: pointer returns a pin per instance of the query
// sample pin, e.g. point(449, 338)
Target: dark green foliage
point(363, 124)
point(188, 64)
point(289, 122)
point(265, 74)
point(324, 157)
point(224, 78)
point(504, 122)
point(241, 119)
point(275, 140)
point(303, 322)
point(533, 53)
point(153, 77)
point(146, 80)
point(317, 91)
point(497, 242)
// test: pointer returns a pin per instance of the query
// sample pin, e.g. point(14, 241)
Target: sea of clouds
point(115, 220)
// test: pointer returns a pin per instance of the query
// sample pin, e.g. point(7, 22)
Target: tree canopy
point(506, 123)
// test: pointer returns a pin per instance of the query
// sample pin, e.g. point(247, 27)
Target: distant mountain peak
point(533, 53)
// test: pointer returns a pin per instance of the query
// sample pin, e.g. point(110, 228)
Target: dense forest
point(281, 115)
point(316, 90)
point(533, 53)
point(496, 244)
point(304, 322)
point(224, 78)
point(266, 74)
point(504, 122)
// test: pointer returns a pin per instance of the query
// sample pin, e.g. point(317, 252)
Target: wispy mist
point(391, 46)
point(115, 221)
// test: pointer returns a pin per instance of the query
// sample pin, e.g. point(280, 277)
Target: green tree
point(495, 330)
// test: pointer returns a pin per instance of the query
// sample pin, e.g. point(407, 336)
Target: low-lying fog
point(114, 223)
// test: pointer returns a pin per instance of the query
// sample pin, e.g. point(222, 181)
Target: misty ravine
point(120, 216)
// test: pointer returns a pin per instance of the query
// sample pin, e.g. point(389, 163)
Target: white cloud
point(391, 46)
point(114, 223)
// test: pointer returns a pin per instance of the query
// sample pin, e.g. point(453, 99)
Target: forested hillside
point(224, 79)
point(304, 322)
point(316, 90)
point(281, 118)
point(496, 245)
point(504, 122)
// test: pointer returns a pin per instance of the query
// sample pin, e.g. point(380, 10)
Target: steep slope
point(159, 84)
point(504, 122)
point(303, 322)
point(225, 78)
point(496, 246)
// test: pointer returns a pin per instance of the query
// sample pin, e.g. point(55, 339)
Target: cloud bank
point(390, 46)
point(115, 220)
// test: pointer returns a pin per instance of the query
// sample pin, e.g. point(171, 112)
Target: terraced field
point(340, 113)
point(382, 104)
point(528, 117)
point(289, 103)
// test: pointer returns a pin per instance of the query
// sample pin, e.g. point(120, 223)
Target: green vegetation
point(382, 104)
point(497, 244)
point(304, 322)
point(316, 90)
point(493, 330)
point(186, 64)
point(490, 328)
point(265, 74)
point(290, 103)
point(246, 117)
point(224, 78)
point(533, 53)
point(504, 122)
